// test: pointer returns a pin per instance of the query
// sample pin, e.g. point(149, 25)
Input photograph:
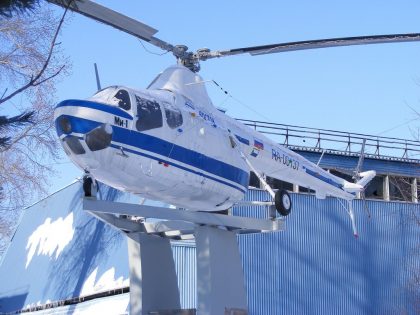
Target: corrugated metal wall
point(185, 264)
point(317, 266)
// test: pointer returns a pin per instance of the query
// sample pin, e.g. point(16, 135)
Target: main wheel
point(283, 202)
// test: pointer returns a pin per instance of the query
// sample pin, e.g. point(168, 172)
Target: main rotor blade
point(117, 20)
point(315, 44)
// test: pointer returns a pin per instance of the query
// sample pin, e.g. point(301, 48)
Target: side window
point(123, 99)
point(173, 116)
point(149, 114)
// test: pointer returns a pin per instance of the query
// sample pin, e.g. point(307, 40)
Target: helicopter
point(168, 142)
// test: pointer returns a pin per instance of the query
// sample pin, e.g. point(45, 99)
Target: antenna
point(98, 82)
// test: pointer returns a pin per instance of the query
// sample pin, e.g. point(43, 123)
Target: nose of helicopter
point(73, 116)
point(78, 133)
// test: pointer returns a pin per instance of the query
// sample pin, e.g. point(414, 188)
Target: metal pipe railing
point(327, 139)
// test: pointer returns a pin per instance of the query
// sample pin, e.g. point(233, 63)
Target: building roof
point(347, 163)
point(59, 252)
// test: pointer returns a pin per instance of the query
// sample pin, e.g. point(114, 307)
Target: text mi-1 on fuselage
point(168, 142)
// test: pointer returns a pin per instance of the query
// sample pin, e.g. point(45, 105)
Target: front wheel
point(283, 202)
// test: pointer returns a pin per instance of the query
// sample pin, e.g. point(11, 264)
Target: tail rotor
point(363, 178)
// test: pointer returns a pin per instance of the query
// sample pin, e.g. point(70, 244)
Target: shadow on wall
point(13, 302)
point(92, 244)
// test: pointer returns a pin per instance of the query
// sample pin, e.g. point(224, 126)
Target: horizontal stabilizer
point(360, 185)
point(366, 177)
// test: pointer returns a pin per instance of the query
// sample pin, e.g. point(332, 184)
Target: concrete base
point(153, 281)
point(220, 280)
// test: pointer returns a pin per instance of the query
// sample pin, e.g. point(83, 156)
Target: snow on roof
point(60, 252)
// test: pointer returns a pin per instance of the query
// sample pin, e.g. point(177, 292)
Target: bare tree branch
point(50, 77)
point(31, 63)
point(33, 81)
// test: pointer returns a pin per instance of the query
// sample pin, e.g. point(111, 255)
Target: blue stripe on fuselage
point(177, 166)
point(94, 105)
point(323, 178)
point(169, 150)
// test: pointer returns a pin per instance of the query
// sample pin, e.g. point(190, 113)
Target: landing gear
point(89, 185)
point(283, 202)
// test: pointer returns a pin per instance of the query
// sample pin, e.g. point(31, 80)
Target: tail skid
point(350, 212)
point(358, 187)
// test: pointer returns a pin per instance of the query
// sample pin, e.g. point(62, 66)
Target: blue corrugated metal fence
point(317, 267)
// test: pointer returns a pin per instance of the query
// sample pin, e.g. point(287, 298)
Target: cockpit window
point(123, 99)
point(173, 116)
point(104, 93)
point(74, 145)
point(149, 114)
point(113, 95)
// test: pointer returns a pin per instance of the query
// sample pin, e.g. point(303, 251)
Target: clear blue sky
point(366, 89)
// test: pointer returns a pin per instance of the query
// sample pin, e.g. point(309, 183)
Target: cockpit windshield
point(113, 95)
point(123, 99)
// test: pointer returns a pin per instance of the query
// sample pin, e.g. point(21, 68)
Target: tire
point(283, 202)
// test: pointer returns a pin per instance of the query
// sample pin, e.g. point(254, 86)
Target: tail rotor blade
point(356, 175)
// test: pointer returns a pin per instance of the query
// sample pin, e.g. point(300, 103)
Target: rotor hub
point(180, 50)
point(202, 53)
point(187, 58)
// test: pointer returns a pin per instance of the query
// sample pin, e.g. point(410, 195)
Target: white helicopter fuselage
point(169, 143)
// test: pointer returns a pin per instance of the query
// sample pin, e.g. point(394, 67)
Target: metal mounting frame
point(183, 221)
point(153, 280)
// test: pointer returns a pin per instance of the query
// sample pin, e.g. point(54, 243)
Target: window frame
point(172, 108)
point(121, 100)
point(139, 117)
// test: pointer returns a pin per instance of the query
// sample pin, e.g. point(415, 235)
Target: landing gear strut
point(89, 185)
point(282, 200)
